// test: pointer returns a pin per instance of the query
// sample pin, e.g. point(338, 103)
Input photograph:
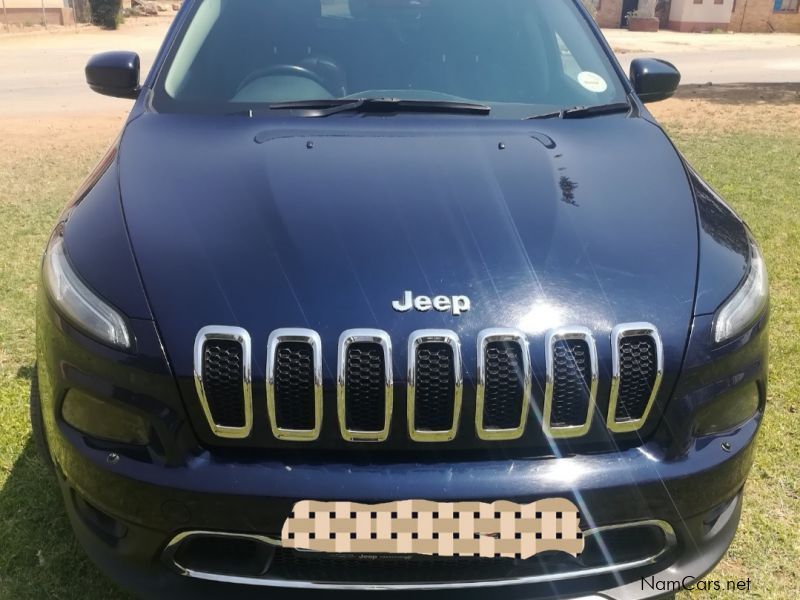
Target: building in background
point(37, 12)
point(760, 16)
point(700, 15)
point(766, 16)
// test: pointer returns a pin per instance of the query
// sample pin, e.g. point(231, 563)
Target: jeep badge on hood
point(453, 304)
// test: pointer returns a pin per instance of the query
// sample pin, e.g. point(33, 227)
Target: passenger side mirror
point(114, 74)
point(654, 79)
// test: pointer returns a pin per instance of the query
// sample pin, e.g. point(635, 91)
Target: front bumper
point(698, 495)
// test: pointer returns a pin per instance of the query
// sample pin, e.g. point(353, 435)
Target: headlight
point(747, 302)
point(78, 303)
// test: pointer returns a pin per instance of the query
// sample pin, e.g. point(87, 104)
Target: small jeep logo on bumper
point(452, 304)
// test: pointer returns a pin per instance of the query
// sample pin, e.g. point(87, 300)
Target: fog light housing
point(103, 420)
point(728, 410)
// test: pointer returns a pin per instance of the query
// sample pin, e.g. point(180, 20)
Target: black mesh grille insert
point(504, 387)
point(386, 569)
point(365, 387)
point(572, 371)
point(435, 387)
point(638, 369)
point(222, 381)
point(294, 386)
point(618, 547)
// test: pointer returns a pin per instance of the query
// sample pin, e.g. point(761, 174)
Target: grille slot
point(637, 368)
point(571, 386)
point(365, 408)
point(504, 384)
point(222, 380)
point(434, 385)
point(365, 385)
point(222, 373)
point(433, 410)
point(294, 384)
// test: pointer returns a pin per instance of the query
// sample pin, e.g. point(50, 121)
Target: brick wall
point(759, 16)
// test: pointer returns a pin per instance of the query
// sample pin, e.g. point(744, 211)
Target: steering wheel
point(291, 70)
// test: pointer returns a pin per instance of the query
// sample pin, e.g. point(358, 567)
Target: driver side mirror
point(114, 74)
point(654, 79)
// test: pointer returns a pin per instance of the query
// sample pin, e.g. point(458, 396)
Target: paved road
point(43, 73)
point(716, 58)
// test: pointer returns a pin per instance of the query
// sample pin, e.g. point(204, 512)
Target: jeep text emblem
point(453, 304)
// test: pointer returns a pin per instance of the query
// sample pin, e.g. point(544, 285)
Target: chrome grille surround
point(551, 339)
point(302, 336)
point(241, 337)
point(370, 336)
point(415, 341)
point(486, 337)
point(618, 334)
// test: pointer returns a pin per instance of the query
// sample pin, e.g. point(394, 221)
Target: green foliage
point(106, 13)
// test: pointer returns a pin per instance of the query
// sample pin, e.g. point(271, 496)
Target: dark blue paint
point(589, 222)
point(100, 251)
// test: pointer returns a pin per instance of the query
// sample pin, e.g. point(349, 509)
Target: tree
point(106, 13)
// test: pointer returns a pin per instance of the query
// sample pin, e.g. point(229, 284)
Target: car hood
point(321, 224)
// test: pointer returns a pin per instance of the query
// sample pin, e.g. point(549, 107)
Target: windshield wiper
point(324, 108)
point(578, 112)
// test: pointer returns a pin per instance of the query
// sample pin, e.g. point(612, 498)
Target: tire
point(37, 424)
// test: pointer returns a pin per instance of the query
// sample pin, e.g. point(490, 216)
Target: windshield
point(516, 56)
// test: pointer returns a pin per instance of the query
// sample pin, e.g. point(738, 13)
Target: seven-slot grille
point(434, 382)
point(434, 385)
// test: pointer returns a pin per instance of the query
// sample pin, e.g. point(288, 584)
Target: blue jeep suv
point(355, 253)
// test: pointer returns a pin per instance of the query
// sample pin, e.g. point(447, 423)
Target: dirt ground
point(733, 108)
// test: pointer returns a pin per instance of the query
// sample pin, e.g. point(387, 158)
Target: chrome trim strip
point(234, 334)
point(559, 335)
point(374, 336)
point(172, 547)
point(433, 336)
point(303, 336)
point(617, 335)
point(486, 337)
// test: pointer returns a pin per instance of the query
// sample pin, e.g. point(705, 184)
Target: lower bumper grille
point(263, 561)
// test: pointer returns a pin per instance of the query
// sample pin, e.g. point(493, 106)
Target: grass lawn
point(752, 160)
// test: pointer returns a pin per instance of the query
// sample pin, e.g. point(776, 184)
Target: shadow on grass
point(743, 93)
point(39, 557)
point(25, 372)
